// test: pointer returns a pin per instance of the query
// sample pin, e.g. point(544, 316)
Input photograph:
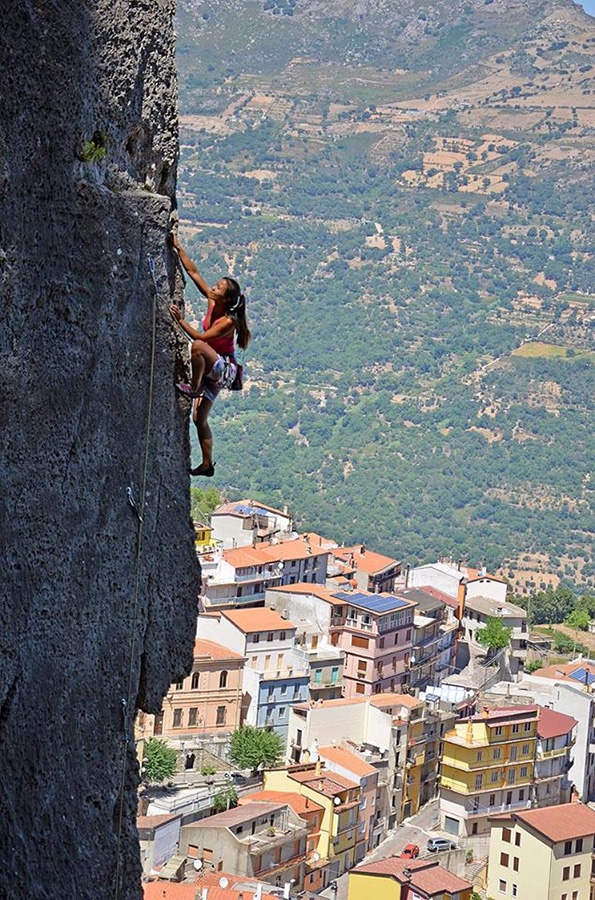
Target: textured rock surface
point(96, 607)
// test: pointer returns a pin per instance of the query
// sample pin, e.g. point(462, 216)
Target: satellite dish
point(197, 864)
point(223, 882)
point(280, 566)
point(337, 801)
point(316, 856)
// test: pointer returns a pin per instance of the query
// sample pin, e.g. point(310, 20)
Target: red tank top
point(224, 345)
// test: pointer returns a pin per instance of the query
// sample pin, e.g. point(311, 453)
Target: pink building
point(375, 631)
point(207, 702)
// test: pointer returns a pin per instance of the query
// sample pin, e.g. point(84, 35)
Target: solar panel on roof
point(582, 675)
point(373, 602)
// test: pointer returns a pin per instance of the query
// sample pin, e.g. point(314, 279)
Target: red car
point(411, 851)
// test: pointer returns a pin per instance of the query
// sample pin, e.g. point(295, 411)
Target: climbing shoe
point(205, 471)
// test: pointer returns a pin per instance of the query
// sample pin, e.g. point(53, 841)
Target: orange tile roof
point(347, 760)
point(170, 890)
point(557, 823)
point(327, 783)
point(317, 590)
point(563, 671)
point(259, 619)
point(211, 650)
point(553, 724)
point(368, 561)
point(262, 554)
point(426, 875)
point(301, 805)
point(392, 699)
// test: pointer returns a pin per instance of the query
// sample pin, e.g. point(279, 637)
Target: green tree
point(203, 502)
point(251, 747)
point(495, 636)
point(225, 799)
point(578, 619)
point(159, 760)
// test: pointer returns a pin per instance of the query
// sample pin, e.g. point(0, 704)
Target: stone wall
point(97, 608)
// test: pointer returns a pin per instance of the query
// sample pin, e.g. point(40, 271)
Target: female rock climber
point(212, 352)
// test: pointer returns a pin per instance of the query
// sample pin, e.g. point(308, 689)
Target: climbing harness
point(139, 509)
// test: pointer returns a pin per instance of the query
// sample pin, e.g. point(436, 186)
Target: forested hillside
point(406, 193)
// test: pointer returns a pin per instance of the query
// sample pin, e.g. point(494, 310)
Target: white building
point(244, 523)
point(478, 609)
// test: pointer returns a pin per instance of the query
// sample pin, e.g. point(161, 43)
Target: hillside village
point(389, 709)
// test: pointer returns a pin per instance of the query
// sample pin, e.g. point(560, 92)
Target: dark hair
point(236, 306)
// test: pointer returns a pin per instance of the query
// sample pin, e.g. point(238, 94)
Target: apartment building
point(406, 879)
point(256, 839)
point(240, 577)
point(310, 607)
point(542, 853)
point(245, 523)
point(458, 582)
point(487, 767)
point(556, 736)
point(340, 799)
point(375, 632)
point(275, 675)
point(351, 765)
point(367, 570)
point(435, 629)
point(206, 703)
point(476, 612)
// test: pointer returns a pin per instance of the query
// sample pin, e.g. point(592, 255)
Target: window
point(476, 804)
point(494, 776)
point(282, 711)
point(408, 635)
point(506, 835)
point(283, 688)
point(179, 685)
point(478, 782)
point(515, 729)
point(517, 839)
point(515, 863)
point(502, 886)
point(255, 638)
point(579, 846)
point(498, 730)
point(575, 895)
point(283, 635)
point(497, 752)
point(381, 643)
point(504, 860)
point(511, 776)
point(528, 726)
point(479, 755)
point(567, 847)
point(525, 749)
point(177, 718)
point(514, 890)
point(513, 752)
point(492, 800)
point(220, 715)
point(223, 679)
point(524, 771)
point(577, 871)
point(521, 795)
point(334, 674)
point(362, 666)
point(360, 689)
point(270, 636)
point(362, 642)
point(192, 716)
point(566, 873)
point(195, 681)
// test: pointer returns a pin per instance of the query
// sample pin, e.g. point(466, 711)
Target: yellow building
point(542, 853)
point(488, 764)
point(340, 799)
point(203, 539)
point(406, 879)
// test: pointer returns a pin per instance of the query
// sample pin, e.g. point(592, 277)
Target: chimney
point(407, 571)
point(318, 769)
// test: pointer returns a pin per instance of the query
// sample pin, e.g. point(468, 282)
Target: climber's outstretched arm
point(190, 266)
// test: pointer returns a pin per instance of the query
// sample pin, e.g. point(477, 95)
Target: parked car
point(411, 851)
point(440, 843)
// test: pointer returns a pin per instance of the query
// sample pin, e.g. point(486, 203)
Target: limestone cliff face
point(97, 608)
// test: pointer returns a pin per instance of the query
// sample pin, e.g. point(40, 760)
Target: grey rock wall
point(97, 609)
